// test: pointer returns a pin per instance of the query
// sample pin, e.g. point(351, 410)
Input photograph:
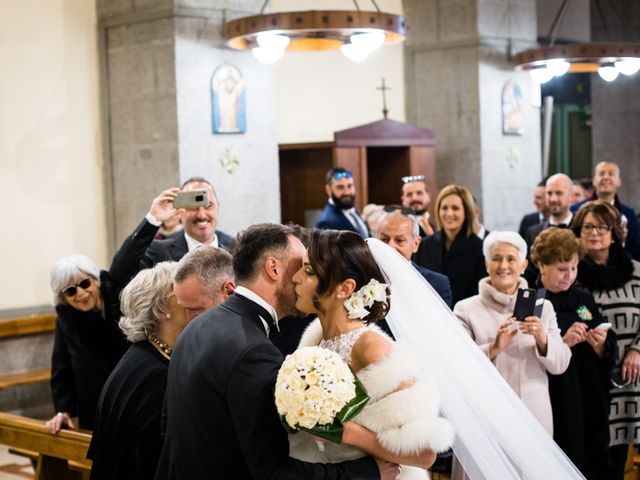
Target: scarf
point(613, 275)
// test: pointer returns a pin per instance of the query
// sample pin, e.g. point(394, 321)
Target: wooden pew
point(59, 457)
point(30, 325)
point(19, 326)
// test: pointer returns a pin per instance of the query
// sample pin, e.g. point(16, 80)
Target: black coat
point(87, 345)
point(463, 263)
point(580, 396)
point(529, 220)
point(175, 247)
point(126, 441)
point(221, 416)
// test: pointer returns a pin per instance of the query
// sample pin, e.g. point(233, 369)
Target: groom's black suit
point(222, 421)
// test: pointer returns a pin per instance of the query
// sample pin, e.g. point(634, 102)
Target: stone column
point(159, 57)
point(457, 61)
point(616, 105)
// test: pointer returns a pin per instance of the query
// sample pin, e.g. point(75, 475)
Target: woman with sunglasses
point(87, 342)
point(614, 279)
point(455, 250)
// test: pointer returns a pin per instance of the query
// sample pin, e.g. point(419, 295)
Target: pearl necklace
point(162, 345)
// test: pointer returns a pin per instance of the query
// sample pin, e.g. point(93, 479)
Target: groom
point(222, 421)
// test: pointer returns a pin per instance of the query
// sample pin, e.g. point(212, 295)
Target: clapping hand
point(162, 206)
point(424, 222)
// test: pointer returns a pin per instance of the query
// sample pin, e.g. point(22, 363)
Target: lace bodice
point(343, 344)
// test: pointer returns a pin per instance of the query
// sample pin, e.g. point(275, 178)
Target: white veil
point(497, 438)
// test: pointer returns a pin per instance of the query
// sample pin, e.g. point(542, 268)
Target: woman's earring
point(168, 315)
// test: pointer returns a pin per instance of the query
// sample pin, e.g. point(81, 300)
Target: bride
point(337, 271)
point(495, 435)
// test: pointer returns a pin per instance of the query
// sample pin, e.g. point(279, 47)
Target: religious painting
point(512, 109)
point(228, 107)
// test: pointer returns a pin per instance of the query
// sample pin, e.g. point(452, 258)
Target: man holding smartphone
point(199, 224)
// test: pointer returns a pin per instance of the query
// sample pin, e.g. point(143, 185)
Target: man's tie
point(359, 224)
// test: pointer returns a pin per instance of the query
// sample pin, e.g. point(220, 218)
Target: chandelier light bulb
point(370, 40)
point(271, 47)
point(608, 72)
point(267, 55)
point(541, 75)
point(272, 41)
point(355, 53)
point(628, 66)
point(558, 67)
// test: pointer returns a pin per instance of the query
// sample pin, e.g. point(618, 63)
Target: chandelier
point(356, 33)
point(609, 60)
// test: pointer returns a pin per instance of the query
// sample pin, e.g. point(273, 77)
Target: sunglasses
point(341, 175)
point(412, 178)
point(394, 208)
point(71, 291)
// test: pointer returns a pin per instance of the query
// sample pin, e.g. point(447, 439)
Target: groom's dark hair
point(255, 243)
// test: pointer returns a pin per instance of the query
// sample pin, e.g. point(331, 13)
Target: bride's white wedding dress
point(405, 420)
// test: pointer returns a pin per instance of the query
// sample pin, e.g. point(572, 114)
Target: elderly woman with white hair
point(522, 351)
point(87, 341)
point(127, 438)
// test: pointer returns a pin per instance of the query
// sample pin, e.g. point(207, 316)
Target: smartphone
point(529, 303)
point(191, 199)
point(603, 326)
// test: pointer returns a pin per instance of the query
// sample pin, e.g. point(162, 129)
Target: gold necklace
point(162, 345)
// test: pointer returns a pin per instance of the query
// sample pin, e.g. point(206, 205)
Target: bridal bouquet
point(317, 392)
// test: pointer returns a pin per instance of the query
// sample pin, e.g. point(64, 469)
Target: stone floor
point(13, 467)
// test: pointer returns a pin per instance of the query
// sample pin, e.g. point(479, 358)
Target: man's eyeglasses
point(340, 175)
point(412, 178)
point(395, 208)
point(71, 291)
point(589, 227)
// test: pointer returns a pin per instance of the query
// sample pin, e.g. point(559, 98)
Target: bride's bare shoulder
point(370, 348)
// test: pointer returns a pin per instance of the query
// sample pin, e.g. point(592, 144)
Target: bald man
point(558, 192)
point(606, 182)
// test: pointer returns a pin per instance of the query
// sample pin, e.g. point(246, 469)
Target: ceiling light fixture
point(356, 33)
point(581, 58)
point(607, 59)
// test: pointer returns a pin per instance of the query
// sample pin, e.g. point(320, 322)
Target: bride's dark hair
point(338, 255)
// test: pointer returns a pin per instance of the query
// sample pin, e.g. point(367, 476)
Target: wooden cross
point(384, 88)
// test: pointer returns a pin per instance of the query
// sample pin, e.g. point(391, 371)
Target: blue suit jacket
point(440, 284)
point(332, 218)
point(438, 281)
point(632, 243)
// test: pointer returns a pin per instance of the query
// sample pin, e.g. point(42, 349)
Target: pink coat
point(520, 363)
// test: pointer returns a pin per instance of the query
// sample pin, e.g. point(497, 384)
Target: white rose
point(312, 378)
point(377, 291)
point(355, 307)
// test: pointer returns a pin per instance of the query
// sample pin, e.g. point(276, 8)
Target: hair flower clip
point(370, 293)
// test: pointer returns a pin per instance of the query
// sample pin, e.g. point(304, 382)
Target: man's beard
point(286, 301)
point(344, 202)
point(418, 211)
